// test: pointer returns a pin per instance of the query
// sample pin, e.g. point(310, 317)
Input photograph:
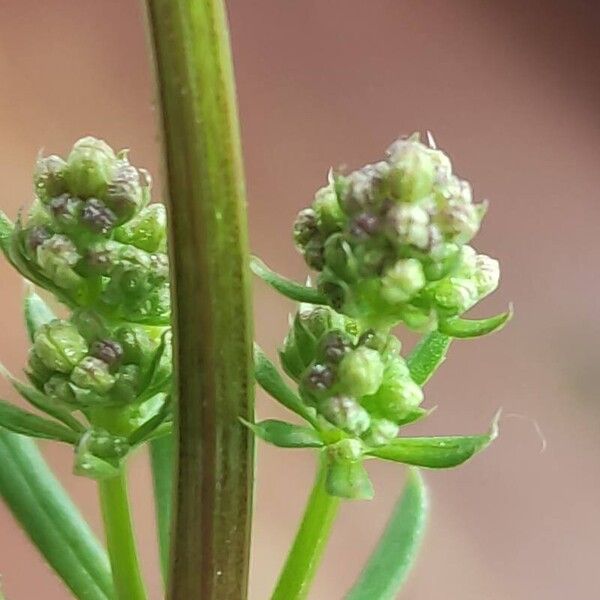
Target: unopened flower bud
point(108, 351)
point(135, 343)
point(147, 230)
point(408, 225)
point(345, 413)
point(93, 374)
point(59, 346)
point(412, 169)
point(398, 394)
point(455, 295)
point(37, 371)
point(124, 193)
point(306, 228)
point(90, 168)
point(59, 389)
point(340, 259)
point(402, 281)
point(458, 222)
point(361, 372)
point(97, 216)
point(127, 383)
point(57, 256)
point(49, 177)
point(487, 275)
point(330, 216)
point(364, 225)
point(36, 236)
point(333, 346)
point(381, 432)
point(347, 450)
point(319, 379)
point(66, 211)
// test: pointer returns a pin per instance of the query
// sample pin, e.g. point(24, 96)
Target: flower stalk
point(211, 302)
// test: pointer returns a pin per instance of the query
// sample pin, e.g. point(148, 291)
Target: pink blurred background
point(512, 91)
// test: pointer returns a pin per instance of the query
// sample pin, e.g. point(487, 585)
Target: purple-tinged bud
point(319, 379)
point(306, 228)
point(65, 210)
point(37, 236)
point(109, 351)
point(364, 225)
point(49, 177)
point(97, 216)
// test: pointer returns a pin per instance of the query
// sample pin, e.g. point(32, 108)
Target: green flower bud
point(458, 222)
point(345, 413)
point(361, 372)
point(329, 215)
point(93, 374)
point(397, 396)
point(310, 324)
point(59, 389)
point(89, 324)
point(90, 168)
point(104, 445)
point(412, 169)
point(37, 371)
point(124, 193)
point(66, 211)
point(381, 432)
point(346, 450)
point(49, 177)
point(306, 228)
point(445, 258)
point(487, 275)
point(364, 190)
point(403, 281)
point(417, 318)
point(455, 295)
point(127, 384)
point(408, 225)
point(59, 346)
point(147, 230)
point(56, 257)
point(340, 259)
point(388, 346)
point(135, 343)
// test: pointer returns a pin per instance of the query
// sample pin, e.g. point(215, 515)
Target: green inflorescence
point(390, 243)
point(92, 239)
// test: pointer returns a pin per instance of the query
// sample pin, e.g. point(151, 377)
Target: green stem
point(305, 555)
point(211, 300)
point(161, 457)
point(120, 538)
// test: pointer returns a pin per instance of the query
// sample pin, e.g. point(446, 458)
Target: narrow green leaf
point(161, 459)
point(49, 517)
point(435, 452)
point(37, 312)
point(395, 553)
point(416, 414)
point(270, 380)
point(288, 288)
point(6, 229)
point(17, 420)
point(285, 435)
point(427, 356)
point(348, 479)
point(473, 328)
point(43, 403)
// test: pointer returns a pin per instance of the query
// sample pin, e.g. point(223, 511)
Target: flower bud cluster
point(85, 365)
point(356, 381)
point(91, 236)
point(390, 240)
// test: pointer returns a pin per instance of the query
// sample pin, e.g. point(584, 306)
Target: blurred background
point(511, 90)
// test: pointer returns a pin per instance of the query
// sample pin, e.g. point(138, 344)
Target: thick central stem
point(211, 300)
